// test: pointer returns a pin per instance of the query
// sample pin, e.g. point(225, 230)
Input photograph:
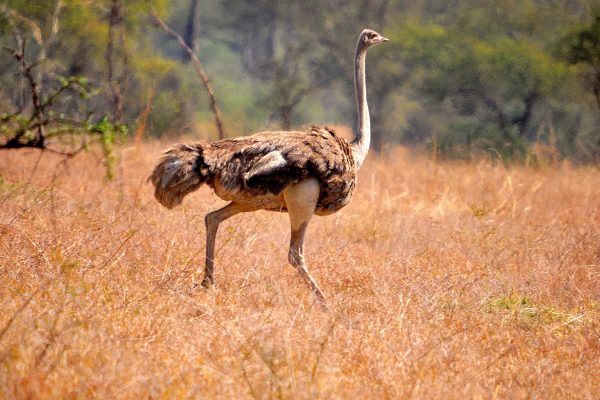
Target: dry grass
point(448, 280)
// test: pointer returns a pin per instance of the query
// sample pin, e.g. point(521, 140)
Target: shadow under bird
point(302, 172)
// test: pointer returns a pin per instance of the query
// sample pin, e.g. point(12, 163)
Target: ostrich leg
point(212, 221)
point(301, 200)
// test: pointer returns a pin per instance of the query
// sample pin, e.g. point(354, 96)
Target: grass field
point(444, 280)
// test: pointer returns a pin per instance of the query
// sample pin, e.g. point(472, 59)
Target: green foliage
point(493, 76)
point(530, 314)
point(166, 114)
point(583, 47)
point(488, 90)
point(585, 44)
point(109, 134)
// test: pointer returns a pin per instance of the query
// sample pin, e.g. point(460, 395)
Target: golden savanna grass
point(444, 280)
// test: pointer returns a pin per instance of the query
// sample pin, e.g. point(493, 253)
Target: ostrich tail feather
point(180, 171)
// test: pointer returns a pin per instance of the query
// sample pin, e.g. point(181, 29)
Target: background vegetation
point(463, 76)
point(450, 275)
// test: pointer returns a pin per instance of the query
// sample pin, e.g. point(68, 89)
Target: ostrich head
point(369, 37)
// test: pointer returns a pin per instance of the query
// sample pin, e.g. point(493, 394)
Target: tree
point(38, 124)
point(490, 90)
point(473, 74)
point(275, 48)
point(197, 66)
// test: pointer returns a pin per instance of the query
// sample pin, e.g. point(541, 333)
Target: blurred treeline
point(460, 76)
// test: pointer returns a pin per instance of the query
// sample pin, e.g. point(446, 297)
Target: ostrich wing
point(265, 165)
point(275, 170)
point(268, 162)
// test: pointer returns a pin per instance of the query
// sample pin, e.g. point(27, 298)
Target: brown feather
point(254, 170)
point(178, 173)
point(298, 155)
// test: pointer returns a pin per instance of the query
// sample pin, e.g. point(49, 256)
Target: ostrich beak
point(382, 39)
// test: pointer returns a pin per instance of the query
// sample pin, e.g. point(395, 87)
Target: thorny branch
point(33, 131)
point(38, 120)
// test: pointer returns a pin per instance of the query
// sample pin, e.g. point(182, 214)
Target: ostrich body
point(301, 172)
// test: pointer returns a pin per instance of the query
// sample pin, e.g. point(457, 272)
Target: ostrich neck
point(362, 139)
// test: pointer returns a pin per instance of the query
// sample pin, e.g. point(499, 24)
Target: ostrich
point(301, 172)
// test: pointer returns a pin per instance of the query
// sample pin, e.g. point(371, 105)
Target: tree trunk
point(116, 83)
point(522, 121)
point(192, 30)
point(285, 115)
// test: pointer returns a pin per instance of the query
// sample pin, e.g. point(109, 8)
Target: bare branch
point(197, 66)
point(27, 72)
point(12, 145)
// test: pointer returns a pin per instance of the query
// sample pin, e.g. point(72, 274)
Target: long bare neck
point(362, 138)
